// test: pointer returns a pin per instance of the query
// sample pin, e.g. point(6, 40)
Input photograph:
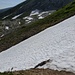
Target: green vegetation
point(0, 27)
point(34, 28)
point(7, 73)
point(38, 72)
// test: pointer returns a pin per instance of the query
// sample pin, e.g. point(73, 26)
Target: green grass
point(0, 27)
point(34, 28)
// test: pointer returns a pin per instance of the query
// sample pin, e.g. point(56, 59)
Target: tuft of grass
point(27, 31)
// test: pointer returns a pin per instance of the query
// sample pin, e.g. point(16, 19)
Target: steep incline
point(29, 5)
point(27, 31)
point(56, 43)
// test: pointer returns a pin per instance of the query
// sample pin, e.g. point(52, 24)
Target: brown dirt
point(42, 72)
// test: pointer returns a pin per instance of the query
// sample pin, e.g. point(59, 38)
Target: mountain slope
point(3, 10)
point(29, 5)
point(56, 43)
point(34, 28)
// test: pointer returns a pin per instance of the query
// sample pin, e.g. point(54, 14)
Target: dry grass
point(42, 72)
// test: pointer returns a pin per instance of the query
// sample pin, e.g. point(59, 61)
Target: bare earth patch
point(42, 72)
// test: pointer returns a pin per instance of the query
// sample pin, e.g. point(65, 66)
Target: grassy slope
point(38, 72)
point(27, 31)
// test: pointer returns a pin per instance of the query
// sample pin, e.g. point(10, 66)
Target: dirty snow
point(56, 43)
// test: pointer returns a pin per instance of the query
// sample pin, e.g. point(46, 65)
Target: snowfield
point(56, 43)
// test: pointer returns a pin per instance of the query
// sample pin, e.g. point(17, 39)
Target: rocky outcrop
point(42, 63)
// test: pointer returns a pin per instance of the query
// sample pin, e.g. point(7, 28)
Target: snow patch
point(40, 17)
point(2, 35)
point(5, 17)
point(34, 12)
point(6, 27)
point(16, 16)
point(29, 18)
point(56, 43)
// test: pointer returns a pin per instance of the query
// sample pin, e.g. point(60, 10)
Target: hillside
point(30, 30)
point(3, 10)
point(53, 48)
point(27, 6)
point(38, 71)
